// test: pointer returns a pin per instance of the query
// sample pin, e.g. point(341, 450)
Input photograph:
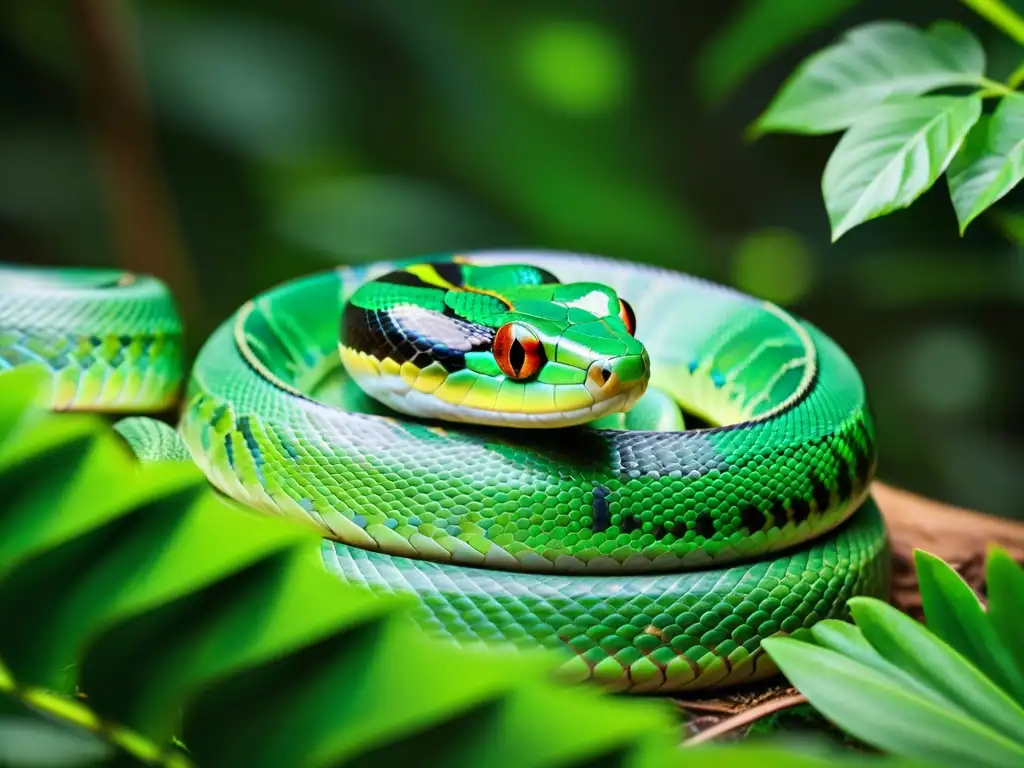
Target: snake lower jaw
point(619, 402)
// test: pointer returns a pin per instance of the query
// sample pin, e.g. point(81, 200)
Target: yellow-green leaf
point(1005, 581)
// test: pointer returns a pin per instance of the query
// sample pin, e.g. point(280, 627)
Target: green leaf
point(911, 647)
point(843, 637)
point(1005, 582)
point(955, 615)
point(990, 163)
point(755, 34)
point(869, 65)
point(880, 711)
point(892, 155)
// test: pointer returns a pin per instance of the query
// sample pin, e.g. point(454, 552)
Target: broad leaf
point(911, 647)
point(955, 615)
point(1005, 582)
point(880, 711)
point(847, 639)
point(990, 163)
point(892, 155)
point(871, 64)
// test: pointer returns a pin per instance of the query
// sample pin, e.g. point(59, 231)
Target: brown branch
point(959, 536)
point(746, 717)
point(145, 230)
point(713, 707)
point(952, 533)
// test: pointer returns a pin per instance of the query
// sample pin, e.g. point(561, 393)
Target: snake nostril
point(606, 373)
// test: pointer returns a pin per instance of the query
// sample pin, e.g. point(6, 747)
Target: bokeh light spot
point(948, 370)
point(774, 264)
point(575, 67)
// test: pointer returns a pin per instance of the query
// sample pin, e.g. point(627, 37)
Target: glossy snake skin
point(653, 558)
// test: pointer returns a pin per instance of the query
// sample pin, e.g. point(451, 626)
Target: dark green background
point(298, 135)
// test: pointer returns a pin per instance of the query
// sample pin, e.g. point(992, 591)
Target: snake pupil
point(516, 356)
point(518, 351)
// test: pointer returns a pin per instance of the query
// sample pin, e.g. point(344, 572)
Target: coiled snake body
point(443, 447)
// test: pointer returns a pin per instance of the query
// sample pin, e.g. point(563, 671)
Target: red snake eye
point(518, 351)
point(627, 317)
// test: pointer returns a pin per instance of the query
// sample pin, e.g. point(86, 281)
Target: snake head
point(513, 353)
point(567, 355)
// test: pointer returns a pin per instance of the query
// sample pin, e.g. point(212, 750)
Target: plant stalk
point(1001, 16)
point(1016, 77)
point(994, 88)
point(144, 226)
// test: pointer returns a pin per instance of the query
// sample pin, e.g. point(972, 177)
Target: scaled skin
point(654, 559)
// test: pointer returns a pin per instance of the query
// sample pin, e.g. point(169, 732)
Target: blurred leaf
point(48, 183)
point(955, 615)
point(780, 752)
point(910, 646)
point(1005, 586)
point(991, 161)
point(756, 33)
point(179, 614)
point(880, 711)
point(1010, 223)
point(256, 87)
point(31, 742)
point(377, 217)
point(869, 65)
point(892, 155)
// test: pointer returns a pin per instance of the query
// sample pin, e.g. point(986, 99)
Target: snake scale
point(502, 435)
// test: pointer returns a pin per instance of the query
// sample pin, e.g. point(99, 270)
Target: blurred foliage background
point(293, 136)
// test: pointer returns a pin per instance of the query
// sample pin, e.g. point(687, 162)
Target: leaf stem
point(1016, 77)
point(1000, 15)
point(994, 88)
point(146, 232)
point(75, 714)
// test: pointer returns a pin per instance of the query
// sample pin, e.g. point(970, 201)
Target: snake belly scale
point(443, 450)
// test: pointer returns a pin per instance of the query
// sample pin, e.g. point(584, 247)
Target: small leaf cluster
point(910, 103)
point(951, 692)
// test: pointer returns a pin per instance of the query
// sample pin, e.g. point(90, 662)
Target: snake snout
point(611, 376)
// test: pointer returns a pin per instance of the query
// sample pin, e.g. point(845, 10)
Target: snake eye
point(518, 351)
point(627, 317)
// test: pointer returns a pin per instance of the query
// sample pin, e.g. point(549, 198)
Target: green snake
point(646, 471)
